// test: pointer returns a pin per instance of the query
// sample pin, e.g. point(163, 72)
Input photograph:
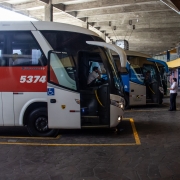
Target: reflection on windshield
point(117, 81)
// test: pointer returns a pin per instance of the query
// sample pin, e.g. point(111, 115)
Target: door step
point(150, 103)
point(90, 117)
point(95, 126)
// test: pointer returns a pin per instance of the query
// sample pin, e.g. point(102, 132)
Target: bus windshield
point(117, 81)
point(139, 68)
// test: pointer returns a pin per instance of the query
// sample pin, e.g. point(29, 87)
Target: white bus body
point(43, 78)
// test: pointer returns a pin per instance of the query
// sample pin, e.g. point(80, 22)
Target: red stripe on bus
point(10, 79)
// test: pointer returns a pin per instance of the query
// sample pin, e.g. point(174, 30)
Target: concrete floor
point(157, 157)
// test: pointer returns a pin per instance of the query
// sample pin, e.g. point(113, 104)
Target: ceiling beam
point(125, 9)
point(28, 5)
point(147, 36)
point(59, 6)
point(126, 28)
point(101, 4)
point(159, 16)
point(65, 1)
point(152, 24)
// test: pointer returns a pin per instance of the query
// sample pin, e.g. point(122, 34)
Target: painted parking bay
point(127, 136)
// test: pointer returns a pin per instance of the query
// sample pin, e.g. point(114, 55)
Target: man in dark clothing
point(147, 82)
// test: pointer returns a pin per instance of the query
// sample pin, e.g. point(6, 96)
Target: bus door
point(137, 89)
point(163, 71)
point(63, 98)
point(95, 99)
point(104, 90)
point(152, 88)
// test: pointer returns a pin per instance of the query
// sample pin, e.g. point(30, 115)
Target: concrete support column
point(48, 11)
point(178, 50)
point(168, 56)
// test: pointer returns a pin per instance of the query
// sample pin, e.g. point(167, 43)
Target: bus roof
point(42, 25)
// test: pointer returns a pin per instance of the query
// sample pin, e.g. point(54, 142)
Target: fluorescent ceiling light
point(35, 8)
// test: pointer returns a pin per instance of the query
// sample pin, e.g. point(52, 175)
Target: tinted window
point(152, 70)
point(62, 70)
point(2, 42)
point(69, 42)
point(21, 49)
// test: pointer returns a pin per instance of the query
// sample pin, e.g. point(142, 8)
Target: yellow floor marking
point(136, 137)
point(48, 144)
point(35, 138)
point(135, 132)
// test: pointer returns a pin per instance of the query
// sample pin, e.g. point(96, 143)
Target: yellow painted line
point(136, 137)
point(135, 132)
point(48, 144)
point(35, 138)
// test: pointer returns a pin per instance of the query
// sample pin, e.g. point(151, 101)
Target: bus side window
point(2, 60)
point(26, 49)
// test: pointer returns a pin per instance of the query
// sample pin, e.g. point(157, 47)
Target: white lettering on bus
point(32, 79)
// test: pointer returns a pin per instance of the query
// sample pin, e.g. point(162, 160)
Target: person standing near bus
point(147, 82)
point(173, 93)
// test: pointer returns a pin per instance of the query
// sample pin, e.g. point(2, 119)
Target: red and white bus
point(44, 68)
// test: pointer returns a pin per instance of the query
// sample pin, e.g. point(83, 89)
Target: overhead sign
point(123, 44)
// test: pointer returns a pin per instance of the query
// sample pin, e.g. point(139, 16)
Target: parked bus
point(144, 79)
point(44, 68)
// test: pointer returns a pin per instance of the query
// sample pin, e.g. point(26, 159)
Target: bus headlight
point(117, 104)
point(119, 118)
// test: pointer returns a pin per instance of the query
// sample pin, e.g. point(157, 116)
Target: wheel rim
point(41, 124)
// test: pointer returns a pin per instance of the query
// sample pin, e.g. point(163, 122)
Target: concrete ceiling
point(149, 25)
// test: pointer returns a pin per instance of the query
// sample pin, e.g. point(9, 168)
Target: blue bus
point(144, 79)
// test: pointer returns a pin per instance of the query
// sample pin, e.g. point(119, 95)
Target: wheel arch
point(28, 107)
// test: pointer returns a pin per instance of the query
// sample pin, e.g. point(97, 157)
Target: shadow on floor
point(125, 129)
point(158, 127)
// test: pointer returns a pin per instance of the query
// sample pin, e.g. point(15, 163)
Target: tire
point(37, 124)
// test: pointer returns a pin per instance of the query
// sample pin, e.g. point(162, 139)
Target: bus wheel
point(38, 124)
